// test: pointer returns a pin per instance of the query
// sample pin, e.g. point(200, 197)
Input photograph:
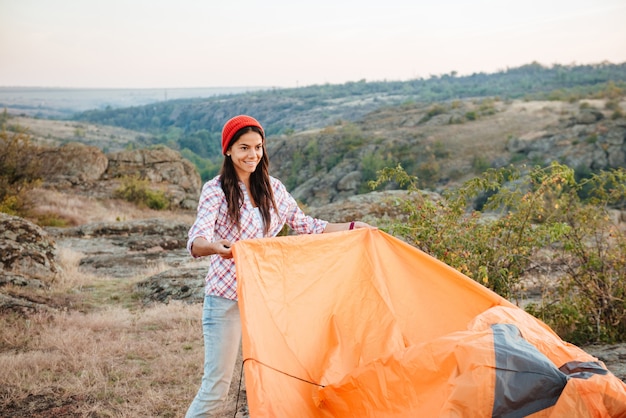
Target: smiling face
point(246, 153)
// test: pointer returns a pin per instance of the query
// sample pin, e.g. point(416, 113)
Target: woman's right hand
point(201, 248)
point(223, 248)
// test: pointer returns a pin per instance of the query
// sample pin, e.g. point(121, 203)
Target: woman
point(242, 202)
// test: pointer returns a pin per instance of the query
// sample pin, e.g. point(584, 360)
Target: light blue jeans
point(221, 326)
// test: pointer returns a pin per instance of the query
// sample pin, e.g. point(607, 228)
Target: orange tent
point(361, 324)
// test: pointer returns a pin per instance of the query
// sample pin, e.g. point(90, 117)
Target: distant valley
point(64, 103)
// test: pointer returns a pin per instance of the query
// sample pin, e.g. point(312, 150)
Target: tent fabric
point(361, 324)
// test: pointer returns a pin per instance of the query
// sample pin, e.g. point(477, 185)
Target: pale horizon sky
point(286, 43)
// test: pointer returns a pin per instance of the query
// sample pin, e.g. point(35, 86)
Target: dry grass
point(79, 210)
point(101, 353)
point(54, 133)
point(72, 278)
point(110, 362)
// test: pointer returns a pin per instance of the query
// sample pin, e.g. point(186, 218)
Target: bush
point(480, 164)
point(136, 190)
point(593, 248)
point(19, 170)
point(371, 163)
point(523, 212)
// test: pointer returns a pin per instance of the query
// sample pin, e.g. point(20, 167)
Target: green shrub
point(20, 170)
point(51, 219)
point(137, 191)
point(523, 211)
point(593, 247)
point(371, 163)
point(480, 164)
point(440, 150)
point(617, 114)
point(11, 205)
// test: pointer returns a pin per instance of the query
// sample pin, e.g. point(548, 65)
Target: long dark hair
point(260, 187)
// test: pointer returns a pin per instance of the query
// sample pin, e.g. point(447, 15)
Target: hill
point(192, 122)
point(194, 126)
point(327, 142)
point(443, 144)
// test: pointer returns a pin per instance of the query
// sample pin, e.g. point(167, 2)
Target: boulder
point(589, 116)
point(87, 170)
point(186, 284)
point(27, 259)
point(349, 182)
point(27, 253)
point(161, 166)
point(73, 163)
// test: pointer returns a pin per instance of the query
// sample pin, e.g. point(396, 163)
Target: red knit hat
point(234, 125)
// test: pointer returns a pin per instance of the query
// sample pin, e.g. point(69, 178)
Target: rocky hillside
point(76, 168)
point(443, 144)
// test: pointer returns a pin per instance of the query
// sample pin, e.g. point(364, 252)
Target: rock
point(523, 143)
point(128, 265)
point(87, 170)
point(73, 163)
point(349, 182)
point(13, 304)
point(185, 284)
point(612, 355)
point(374, 208)
point(439, 120)
point(160, 166)
point(7, 278)
point(122, 249)
point(589, 116)
point(591, 143)
point(27, 259)
point(160, 229)
point(27, 252)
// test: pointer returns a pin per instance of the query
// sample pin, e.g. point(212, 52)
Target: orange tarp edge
point(359, 323)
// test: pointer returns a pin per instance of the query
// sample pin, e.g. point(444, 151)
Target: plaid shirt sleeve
point(208, 209)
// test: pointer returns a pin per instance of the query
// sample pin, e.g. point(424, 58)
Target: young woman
point(242, 202)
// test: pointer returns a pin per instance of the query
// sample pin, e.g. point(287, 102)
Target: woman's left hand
point(359, 225)
point(336, 227)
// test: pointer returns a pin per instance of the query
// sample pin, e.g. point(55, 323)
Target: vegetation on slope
point(194, 126)
point(282, 110)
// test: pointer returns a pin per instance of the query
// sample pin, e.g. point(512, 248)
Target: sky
point(292, 43)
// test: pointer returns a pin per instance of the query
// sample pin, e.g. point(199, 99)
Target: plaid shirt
point(212, 223)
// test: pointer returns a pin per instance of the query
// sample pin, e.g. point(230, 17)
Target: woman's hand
point(223, 248)
point(359, 224)
point(201, 247)
point(336, 227)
